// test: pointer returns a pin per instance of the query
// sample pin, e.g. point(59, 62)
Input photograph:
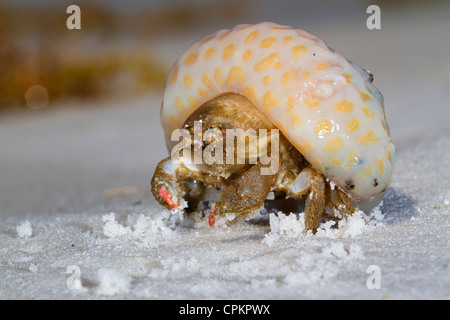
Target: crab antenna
point(168, 198)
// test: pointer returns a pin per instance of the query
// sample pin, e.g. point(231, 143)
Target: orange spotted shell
point(324, 105)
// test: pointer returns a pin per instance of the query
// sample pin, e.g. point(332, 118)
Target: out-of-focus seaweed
point(104, 58)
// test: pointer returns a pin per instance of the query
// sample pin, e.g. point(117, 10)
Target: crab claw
point(165, 186)
point(174, 188)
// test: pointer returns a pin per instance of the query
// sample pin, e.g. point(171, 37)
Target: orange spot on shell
point(202, 93)
point(218, 77)
point(228, 51)
point(389, 154)
point(246, 55)
point(267, 80)
point(297, 51)
point(380, 166)
point(368, 112)
point(174, 76)
point(364, 96)
point(334, 161)
point(187, 81)
point(311, 102)
point(347, 77)
point(180, 106)
point(352, 159)
point(193, 103)
point(369, 138)
point(268, 42)
point(288, 77)
point(191, 58)
point(344, 106)
point(323, 126)
point(287, 39)
point(367, 172)
point(269, 101)
point(353, 125)
point(209, 53)
point(249, 92)
point(290, 105)
point(296, 121)
point(306, 75)
point(333, 145)
point(207, 81)
point(322, 65)
point(252, 36)
point(236, 75)
point(265, 63)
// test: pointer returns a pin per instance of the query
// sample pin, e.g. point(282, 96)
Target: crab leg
point(244, 195)
point(315, 203)
point(341, 202)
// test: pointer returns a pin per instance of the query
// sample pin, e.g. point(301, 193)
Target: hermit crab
point(279, 91)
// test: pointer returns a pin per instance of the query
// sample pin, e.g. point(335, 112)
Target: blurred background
point(79, 108)
point(128, 47)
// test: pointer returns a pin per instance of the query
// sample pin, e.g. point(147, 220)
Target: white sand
point(55, 166)
point(25, 230)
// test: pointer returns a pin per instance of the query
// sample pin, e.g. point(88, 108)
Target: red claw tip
point(168, 198)
point(210, 218)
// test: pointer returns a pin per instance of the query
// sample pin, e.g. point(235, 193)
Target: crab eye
point(369, 76)
point(364, 72)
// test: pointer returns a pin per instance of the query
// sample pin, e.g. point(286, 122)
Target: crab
point(329, 141)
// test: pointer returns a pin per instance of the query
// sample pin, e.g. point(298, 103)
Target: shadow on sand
point(396, 207)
